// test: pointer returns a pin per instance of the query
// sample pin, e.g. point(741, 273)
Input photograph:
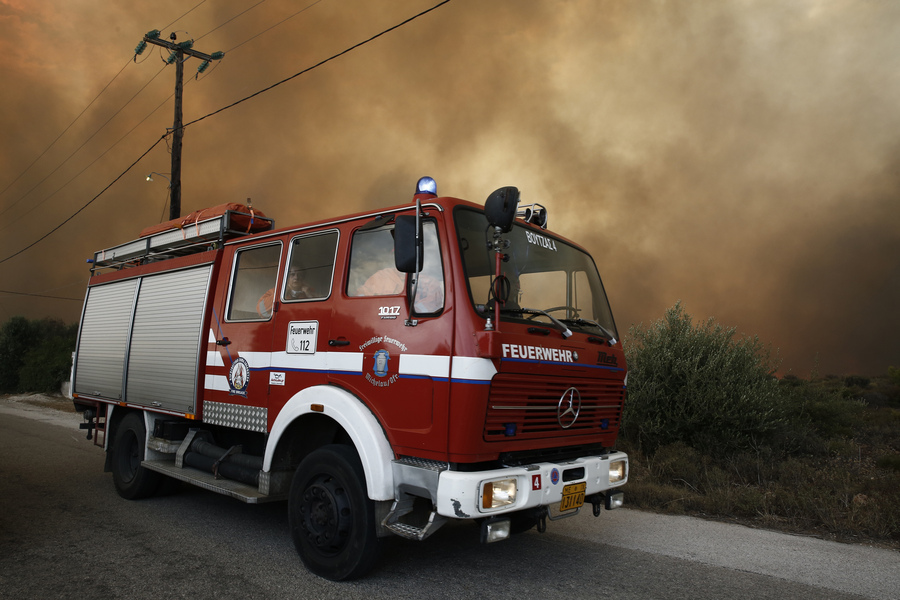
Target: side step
point(414, 478)
point(207, 481)
point(410, 531)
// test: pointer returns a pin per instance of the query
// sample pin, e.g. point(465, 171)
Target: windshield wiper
point(606, 332)
point(536, 311)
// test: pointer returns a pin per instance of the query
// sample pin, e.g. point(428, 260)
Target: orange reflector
point(317, 408)
point(191, 417)
point(487, 496)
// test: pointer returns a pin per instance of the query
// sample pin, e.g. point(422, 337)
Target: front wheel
point(331, 517)
point(132, 481)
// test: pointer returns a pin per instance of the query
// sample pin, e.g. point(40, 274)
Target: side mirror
point(405, 240)
point(500, 208)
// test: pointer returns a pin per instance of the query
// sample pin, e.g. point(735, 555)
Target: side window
point(253, 283)
point(310, 267)
point(372, 270)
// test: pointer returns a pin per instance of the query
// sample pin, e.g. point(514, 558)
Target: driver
point(295, 289)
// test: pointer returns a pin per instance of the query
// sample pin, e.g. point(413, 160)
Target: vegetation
point(35, 356)
point(711, 431)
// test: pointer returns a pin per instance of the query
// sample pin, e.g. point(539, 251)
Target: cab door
point(302, 317)
point(238, 358)
point(394, 357)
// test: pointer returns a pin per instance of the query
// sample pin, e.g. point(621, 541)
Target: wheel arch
point(342, 418)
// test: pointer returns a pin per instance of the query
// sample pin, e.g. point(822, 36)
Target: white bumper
point(459, 493)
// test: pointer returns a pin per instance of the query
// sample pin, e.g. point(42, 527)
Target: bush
point(699, 385)
point(894, 375)
point(35, 356)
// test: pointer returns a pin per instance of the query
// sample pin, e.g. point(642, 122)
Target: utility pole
point(177, 56)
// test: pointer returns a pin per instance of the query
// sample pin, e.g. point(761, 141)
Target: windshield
point(544, 274)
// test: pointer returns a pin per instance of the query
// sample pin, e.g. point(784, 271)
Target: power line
point(69, 126)
point(243, 12)
point(184, 15)
point(68, 158)
point(130, 100)
point(47, 149)
point(224, 108)
point(39, 295)
point(319, 64)
point(88, 203)
point(268, 29)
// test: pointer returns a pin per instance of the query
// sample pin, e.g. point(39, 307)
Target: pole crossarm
point(175, 47)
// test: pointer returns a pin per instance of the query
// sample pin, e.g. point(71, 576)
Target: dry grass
point(841, 486)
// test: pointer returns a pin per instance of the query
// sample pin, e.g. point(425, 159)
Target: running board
point(207, 481)
point(404, 507)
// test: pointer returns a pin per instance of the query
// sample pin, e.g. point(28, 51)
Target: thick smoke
point(739, 157)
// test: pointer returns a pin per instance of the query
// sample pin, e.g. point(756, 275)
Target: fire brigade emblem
point(381, 363)
point(380, 377)
point(239, 377)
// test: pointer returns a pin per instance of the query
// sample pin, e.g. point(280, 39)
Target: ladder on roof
point(192, 238)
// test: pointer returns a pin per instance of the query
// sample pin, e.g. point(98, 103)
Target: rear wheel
point(331, 517)
point(132, 481)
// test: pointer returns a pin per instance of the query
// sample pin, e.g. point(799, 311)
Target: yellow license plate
point(573, 496)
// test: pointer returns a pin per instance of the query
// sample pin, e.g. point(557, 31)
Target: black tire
point(331, 517)
point(132, 481)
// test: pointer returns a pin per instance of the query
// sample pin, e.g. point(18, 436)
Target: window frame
point(232, 281)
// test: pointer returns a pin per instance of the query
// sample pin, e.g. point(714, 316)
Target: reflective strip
point(473, 369)
point(214, 359)
point(257, 360)
point(348, 362)
point(216, 383)
point(459, 368)
point(425, 364)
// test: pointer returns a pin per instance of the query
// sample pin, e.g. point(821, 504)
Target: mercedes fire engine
point(382, 372)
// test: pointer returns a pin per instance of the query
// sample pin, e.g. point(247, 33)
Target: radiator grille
point(529, 405)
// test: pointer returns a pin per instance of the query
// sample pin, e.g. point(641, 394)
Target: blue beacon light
point(426, 185)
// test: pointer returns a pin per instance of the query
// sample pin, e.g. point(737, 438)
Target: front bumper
point(459, 493)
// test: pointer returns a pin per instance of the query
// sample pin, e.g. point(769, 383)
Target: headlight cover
point(496, 494)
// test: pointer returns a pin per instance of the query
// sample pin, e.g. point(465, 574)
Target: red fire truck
point(382, 372)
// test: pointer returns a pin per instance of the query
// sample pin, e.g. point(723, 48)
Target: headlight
point(495, 494)
point(617, 470)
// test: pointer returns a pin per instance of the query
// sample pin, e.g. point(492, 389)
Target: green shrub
point(35, 356)
point(700, 385)
point(857, 381)
point(818, 412)
point(15, 341)
point(894, 375)
point(890, 462)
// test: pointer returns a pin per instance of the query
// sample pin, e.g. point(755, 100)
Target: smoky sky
point(739, 157)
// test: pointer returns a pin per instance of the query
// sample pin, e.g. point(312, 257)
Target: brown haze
point(742, 157)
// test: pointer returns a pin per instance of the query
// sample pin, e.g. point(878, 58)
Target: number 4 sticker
point(535, 482)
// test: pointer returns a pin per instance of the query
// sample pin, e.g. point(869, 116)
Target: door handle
point(338, 342)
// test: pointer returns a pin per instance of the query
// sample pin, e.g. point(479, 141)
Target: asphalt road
point(65, 533)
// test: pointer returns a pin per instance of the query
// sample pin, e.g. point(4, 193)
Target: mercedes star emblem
point(568, 408)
